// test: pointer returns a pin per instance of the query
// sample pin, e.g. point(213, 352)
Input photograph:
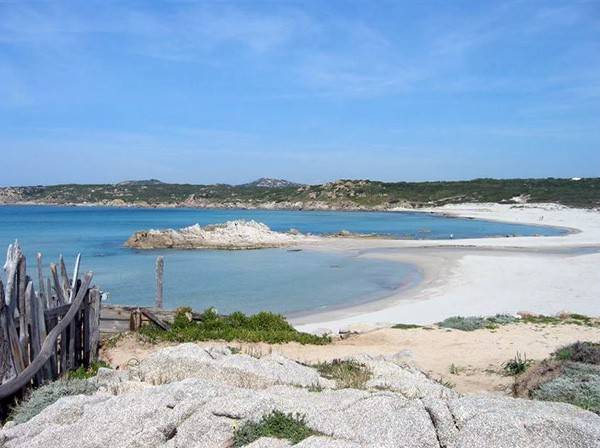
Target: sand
point(483, 276)
point(477, 356)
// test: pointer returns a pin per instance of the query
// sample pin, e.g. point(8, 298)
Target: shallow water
point(273, 279)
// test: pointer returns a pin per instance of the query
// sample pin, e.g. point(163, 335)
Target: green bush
point(260, 327)
point(517, 365)
point(585, 352)
point(41, 398)
point(83, 373)
point(578, 384)
point(464, 323)
point(347, 374)
point(276, 424)
point(406, 326)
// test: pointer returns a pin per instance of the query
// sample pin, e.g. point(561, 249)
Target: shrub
point(41, 398)
point(278, 425)
point(406, 326)
point(260, 327)
point(472, 323)
point(347, 374)
point(585, 352)
point(502, 319)
point(517, 365)
point(464, 323)
point(578, 384)
point(82, 373)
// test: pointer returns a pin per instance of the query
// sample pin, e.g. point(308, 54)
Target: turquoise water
point(273, 279)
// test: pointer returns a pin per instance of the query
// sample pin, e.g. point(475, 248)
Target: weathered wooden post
point(160, 268)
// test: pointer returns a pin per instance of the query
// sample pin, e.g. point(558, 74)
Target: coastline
point(480, 276)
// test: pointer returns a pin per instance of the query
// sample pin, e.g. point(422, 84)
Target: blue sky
point(203, 92)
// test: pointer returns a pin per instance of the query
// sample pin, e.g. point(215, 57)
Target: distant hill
point(345, 194)
point(267, 182)
point(141, 182)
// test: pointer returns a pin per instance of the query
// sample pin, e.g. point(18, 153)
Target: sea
point(279, 280)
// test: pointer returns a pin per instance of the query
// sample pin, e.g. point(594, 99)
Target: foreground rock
point(230, 235)
point(187, 396)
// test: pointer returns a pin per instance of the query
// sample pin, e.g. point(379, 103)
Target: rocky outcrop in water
point(187, 396)
point(230, 235)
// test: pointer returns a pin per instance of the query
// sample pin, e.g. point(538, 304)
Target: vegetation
point(347, 374)
point(260, 327)
point(82, 373)
point(577, 384)
point(584, 352)
point(517, 365)
point(276, 424)
point(406, 326)
point(472, 323)
point(572, 376)
point(342, 193)
point(39, 399)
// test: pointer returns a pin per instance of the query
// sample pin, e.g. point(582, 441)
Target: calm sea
point(271, 279)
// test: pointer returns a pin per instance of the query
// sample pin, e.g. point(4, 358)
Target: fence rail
point(47, 332)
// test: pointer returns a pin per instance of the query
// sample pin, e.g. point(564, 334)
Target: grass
point(260, 327)
point(278, 425)
point(585, 352)
point(83, 373)
point(517, 365)
point(406, 326)
point(44, 396)
point(347, 374)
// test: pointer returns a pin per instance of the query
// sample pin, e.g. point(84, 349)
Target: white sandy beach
point(482, 276)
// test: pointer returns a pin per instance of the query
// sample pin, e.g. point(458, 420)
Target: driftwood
point(46, 333)
point(155, 319)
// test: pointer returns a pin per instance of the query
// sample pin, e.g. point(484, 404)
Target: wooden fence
point(45, 332)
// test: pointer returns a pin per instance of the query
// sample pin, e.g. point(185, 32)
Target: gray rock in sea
point(186, 396)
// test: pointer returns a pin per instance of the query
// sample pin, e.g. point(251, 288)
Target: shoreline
point(482, 276)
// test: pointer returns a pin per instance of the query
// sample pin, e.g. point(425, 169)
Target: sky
point(213, 91)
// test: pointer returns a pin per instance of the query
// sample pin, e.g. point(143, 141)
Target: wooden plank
point(71, 359)
point(40, 279)
point(52, 299)
point(22, 307)
point(86, 348)
point(13, 255)
point(64, 276)
point(160, 269)
point(34, 328)
point(57, 312)
point(94, 323)
point(7, 369)
point(16, 384)
point(76, 272)
point(155, 319)
point(58, 289)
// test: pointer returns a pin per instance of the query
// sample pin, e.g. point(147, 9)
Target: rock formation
point(230, 235)
point(187, 396)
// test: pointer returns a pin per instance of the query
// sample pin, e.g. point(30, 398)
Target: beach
point(484, 276)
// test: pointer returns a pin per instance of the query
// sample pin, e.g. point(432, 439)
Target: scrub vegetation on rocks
point(277, 425)
point(187, 395)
